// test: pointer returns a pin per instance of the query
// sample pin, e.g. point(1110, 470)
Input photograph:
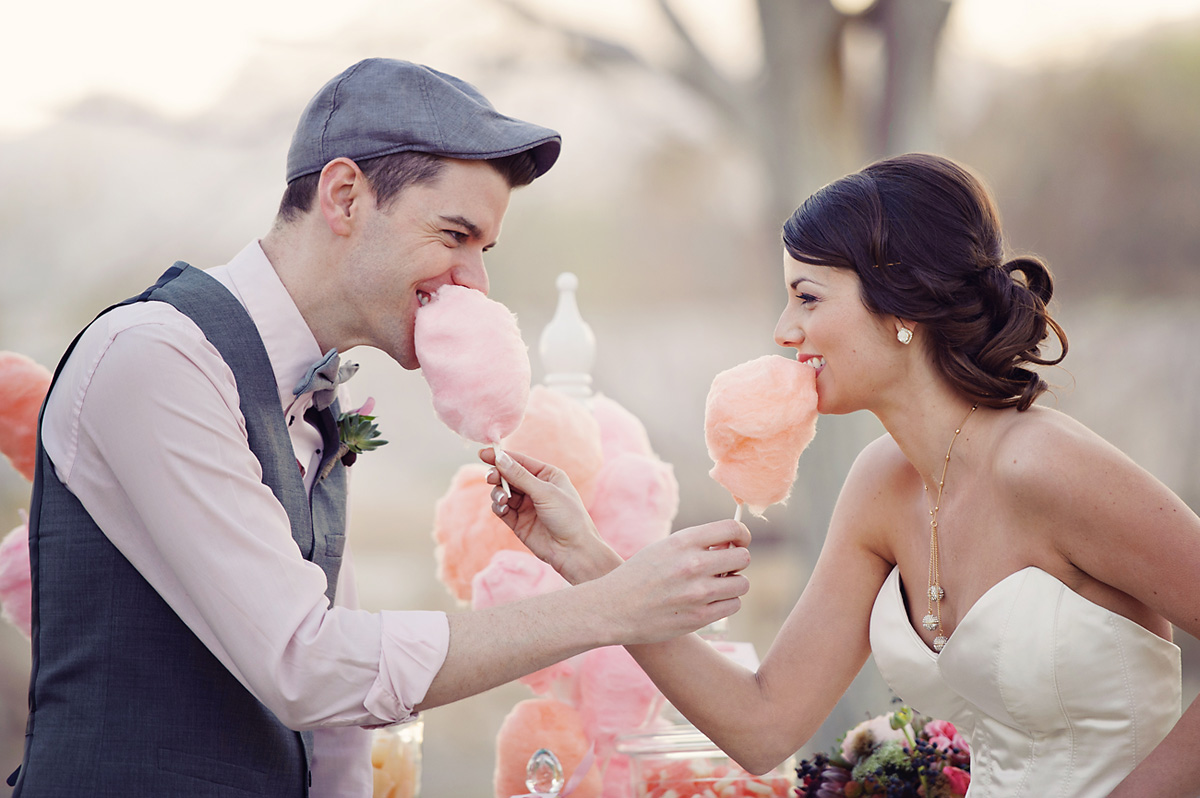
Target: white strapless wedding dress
point(1056, 695)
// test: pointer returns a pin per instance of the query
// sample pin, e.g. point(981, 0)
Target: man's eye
point(457, 235)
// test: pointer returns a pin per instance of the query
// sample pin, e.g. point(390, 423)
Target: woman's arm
point(758, 718)
point(1120, 526)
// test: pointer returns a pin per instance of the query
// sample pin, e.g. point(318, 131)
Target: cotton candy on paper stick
point(541, 723)
point(23, 387)
point(467, 531)
point(758, 418)
point(477, 366)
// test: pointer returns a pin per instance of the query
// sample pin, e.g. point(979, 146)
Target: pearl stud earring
point(904, 335)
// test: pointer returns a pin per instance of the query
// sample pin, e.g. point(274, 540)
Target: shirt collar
point(290, 344)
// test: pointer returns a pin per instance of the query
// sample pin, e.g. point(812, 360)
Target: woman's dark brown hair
point(923, 236)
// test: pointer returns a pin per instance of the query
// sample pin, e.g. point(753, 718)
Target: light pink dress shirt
point(144, 427)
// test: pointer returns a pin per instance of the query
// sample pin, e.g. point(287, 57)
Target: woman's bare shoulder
point(1040, 447)
point(873, 493)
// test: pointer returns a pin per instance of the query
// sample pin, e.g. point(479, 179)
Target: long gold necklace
point(933, 617)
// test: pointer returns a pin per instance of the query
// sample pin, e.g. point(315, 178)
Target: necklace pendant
point(936, 593)
point(939, 643)
point(931, 622)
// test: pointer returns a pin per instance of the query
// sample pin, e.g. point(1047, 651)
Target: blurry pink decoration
point(759, 417)
point(561, 431)
point(621, 432)
point(512, 576)
point(16, 595)
point(467, 532)
point(477, 366)
point(541, 723)
point(635, 501)
point(618, 781)
point(632, 497)
point(23, 387)
point(615, 695)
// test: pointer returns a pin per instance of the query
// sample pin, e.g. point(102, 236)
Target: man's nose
point(470, 273)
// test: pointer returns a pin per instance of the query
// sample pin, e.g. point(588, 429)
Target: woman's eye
point(806, 299)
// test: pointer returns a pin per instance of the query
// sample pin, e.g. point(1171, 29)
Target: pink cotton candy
point(541, 723)
point(758, 418)
point(615, 695)
point(467, 532)
point(16, 594)
point(620, 430)
point(23, 387)
point(562, 432)
point(636, 499)
point(512, 576)
point(477, 366)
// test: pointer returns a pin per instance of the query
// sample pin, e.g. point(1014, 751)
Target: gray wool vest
point(124, 700)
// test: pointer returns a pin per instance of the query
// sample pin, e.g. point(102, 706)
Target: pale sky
point(179, 57)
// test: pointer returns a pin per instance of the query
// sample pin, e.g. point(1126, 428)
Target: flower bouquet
point(897, 755)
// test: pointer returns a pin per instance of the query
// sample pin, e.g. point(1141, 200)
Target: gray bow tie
point(323, 378)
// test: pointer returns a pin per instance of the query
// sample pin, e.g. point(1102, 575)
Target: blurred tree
point(802, 115)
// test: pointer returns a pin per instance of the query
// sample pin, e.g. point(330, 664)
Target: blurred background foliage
point(686, 144)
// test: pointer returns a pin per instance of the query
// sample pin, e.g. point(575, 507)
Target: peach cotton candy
point(561, 431)
point(477, 366)
point(23, 387)
point(620, 430)
point(16, 593)
point(759, 416)
point(466, 530)
point(541, 723)
point(512, 576)
point(635, 501)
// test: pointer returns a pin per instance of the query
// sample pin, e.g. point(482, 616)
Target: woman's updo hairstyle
point(923, 236)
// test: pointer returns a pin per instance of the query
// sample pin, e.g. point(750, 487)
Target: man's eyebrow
point(465, 223)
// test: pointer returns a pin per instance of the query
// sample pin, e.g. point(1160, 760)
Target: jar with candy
point(396, 759)
point(680, 762)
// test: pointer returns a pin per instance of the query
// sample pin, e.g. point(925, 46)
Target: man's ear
point(341, 192)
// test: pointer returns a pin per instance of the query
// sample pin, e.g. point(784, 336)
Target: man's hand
point(679, 584)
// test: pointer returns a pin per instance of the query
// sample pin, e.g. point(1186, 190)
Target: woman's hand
point(546, 513)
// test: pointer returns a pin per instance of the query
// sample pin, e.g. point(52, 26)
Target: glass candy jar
point(396, 759)
point(680, 761)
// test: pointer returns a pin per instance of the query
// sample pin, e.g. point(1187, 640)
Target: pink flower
point(959, 780)
point(940, 728)
point(945, 736)
point(366, 408)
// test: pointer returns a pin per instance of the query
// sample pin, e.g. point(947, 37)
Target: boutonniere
point(357, 433)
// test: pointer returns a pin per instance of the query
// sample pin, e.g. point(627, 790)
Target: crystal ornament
point(930, 622)
point(544, 774)
point(939, 643)
point(936, 593)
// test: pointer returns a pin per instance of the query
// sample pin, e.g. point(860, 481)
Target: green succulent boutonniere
point(358, 433)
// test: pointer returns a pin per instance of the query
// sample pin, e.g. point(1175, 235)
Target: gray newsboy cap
point(382, 106)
